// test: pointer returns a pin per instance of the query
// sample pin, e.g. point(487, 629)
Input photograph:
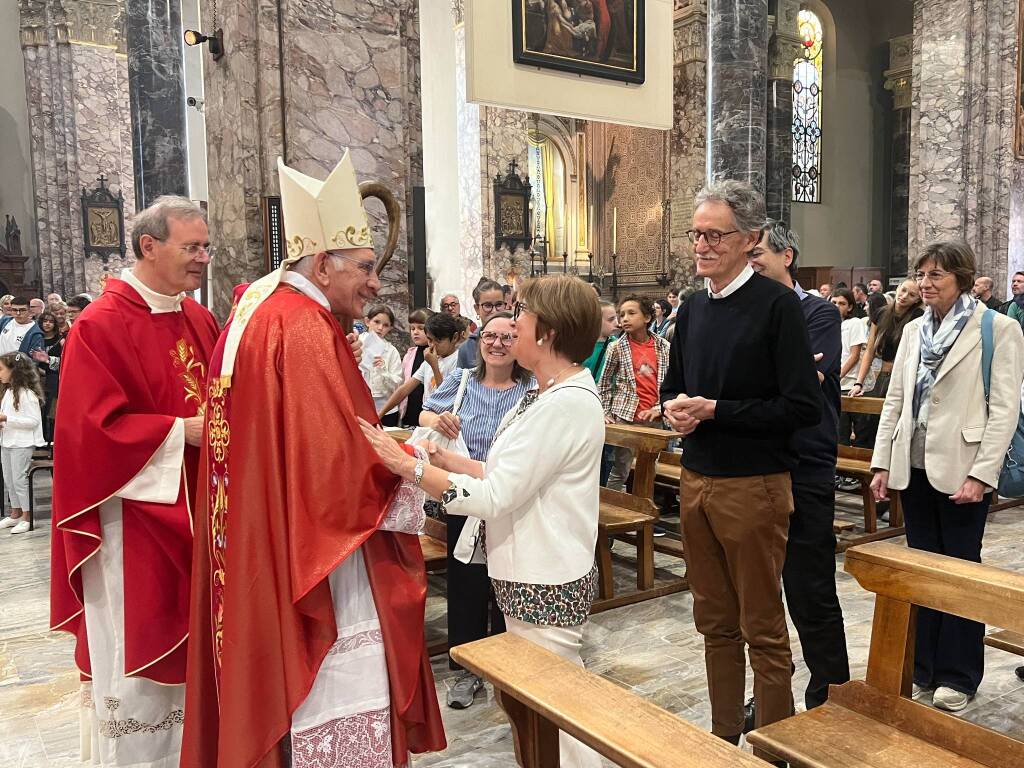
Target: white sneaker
point(21, 527)
point(920, 693)
point(9, 522)
point(950, 700)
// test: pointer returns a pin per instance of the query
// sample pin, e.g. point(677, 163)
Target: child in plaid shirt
point(630, 383)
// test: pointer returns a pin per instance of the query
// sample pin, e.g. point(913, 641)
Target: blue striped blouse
point(482, 409)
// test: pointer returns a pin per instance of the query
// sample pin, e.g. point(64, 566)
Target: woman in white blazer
point(537, 493)
point(942, 446)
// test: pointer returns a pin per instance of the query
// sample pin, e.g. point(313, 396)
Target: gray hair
point(747, 203)
point(780, 238)
point(153, 221)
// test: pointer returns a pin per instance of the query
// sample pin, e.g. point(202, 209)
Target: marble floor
point(651, 648)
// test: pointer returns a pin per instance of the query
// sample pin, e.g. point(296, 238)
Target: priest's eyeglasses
point(712, 236)
point(366, 267)
point(194, 249)
point(491, 338)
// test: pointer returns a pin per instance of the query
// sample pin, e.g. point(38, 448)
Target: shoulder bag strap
point(466, 373)
point(986, 350)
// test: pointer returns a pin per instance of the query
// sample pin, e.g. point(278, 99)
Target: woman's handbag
point(421, 435)
point(1011, 477)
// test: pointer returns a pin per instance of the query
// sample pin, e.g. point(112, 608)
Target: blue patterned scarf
point(935, 345)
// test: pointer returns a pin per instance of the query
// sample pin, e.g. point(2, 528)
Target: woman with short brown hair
point(537, 492)
point(941, 443)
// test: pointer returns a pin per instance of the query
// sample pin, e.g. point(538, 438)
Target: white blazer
point(965, 437)
point(539, 496)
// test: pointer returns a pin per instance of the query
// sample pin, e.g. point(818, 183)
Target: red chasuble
point(126, 374)
point(291, 489)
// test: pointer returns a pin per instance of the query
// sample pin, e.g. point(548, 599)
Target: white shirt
point(853, 332)
point(24, 425)
point(385, 380)
point(12, 336)
point(738, 282)
point(540, 492)
point(425, 374)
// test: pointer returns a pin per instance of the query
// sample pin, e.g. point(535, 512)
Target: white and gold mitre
point(322, 215)
point(318, 216)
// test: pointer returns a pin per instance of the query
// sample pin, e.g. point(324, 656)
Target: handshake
point(685, 413)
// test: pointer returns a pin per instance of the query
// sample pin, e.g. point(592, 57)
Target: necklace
point(551, 381)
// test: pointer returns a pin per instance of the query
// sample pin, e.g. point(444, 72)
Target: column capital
point(689, 11)
point(690, 19)
point(785, 45)
point(898, 77)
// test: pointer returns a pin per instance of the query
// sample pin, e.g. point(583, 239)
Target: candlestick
point(615, 230)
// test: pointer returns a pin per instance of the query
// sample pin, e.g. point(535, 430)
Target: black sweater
point(750, 352)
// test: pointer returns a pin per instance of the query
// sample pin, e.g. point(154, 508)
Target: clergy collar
point(158, 302)
point(738, 282)
point(304, 285)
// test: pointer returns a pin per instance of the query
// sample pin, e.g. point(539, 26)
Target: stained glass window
point(807, 101)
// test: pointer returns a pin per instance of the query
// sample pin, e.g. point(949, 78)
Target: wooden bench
point(856, 463)
point(543, 694)
point(1004, 640)
point(873, 723)
point(648, 444)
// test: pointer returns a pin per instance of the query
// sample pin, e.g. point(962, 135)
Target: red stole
point(126, 374)
point(291, 489)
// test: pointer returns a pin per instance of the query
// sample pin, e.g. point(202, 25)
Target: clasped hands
point(685, 413)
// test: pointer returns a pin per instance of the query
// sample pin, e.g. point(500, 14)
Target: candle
point(615, 230)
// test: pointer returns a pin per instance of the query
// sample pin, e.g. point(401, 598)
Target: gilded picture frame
point(597, 38)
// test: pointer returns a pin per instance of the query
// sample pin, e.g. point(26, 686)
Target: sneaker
point(950, 700)
point(1019, 671)
point(849, 486)
point(749, 715)
point(460, 695)
point(920, 692)
point(9, 522)
point(21, 527)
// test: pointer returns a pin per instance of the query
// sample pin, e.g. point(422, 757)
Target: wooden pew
point(543, 694)
point(856, 463)
point(1005, 640)
point(873, 723)
point(631, 518)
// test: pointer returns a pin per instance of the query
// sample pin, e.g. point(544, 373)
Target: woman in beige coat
point(942, 446)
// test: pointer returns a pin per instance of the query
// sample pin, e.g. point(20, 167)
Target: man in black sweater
point(740, 382)
point(809, 576)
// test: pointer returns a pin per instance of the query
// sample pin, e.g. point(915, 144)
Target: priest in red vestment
point(129, 422)
point(307, 643)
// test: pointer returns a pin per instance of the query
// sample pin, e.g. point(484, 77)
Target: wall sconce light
point(216, 41)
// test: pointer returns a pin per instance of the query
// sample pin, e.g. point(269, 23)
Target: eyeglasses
point(19, 310)
point(518, 309)
point(712, 236)
point(450, 305)
point(493, 306)
point(364, 266)
point(194, 249)
point(935, 276)
point(490, 337)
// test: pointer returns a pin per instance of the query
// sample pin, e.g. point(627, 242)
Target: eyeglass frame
point(368, 268)
point(518, 308)
point(208, 249)
point(446, 305)
point(492, 306)
point(920, 276)
point(507, 339)
point(694, 236)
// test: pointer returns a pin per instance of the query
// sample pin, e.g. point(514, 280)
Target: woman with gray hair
point(942, 446)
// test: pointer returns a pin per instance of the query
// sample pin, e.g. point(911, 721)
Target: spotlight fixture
point(216, 41)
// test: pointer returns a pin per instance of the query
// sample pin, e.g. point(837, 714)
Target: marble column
point(784, 49)
point(737, 89)
point(502, 139)
point(156, 81)
point(898, 78)
point(688, 137)
point(342, 80)
point(962, 123)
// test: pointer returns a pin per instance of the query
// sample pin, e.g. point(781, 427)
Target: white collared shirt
point(158, 302)
point(738, 282)
point(305, 286)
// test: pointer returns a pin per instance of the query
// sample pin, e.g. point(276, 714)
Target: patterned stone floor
point(651, 648)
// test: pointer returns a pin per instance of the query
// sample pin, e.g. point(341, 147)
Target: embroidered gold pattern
point(352, 237)
point(297, 244)
point(219, 431)
point(219, 441)
point(193, 374)
point(115, 729)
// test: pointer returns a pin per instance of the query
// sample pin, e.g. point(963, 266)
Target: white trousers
point(565, 642)
point(129, 722)
point(16, 463)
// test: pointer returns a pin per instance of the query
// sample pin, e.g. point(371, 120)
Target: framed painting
point(599, 38)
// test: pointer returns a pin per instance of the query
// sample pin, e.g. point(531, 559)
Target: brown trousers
point(735, 530)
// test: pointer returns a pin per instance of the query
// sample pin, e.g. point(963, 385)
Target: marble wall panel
point(503, 134)
point(688, 138)
point(961, 162)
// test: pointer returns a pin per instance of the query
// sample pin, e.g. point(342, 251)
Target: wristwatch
point(418, 472)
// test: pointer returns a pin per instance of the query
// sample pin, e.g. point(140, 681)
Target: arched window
point(807, 102)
